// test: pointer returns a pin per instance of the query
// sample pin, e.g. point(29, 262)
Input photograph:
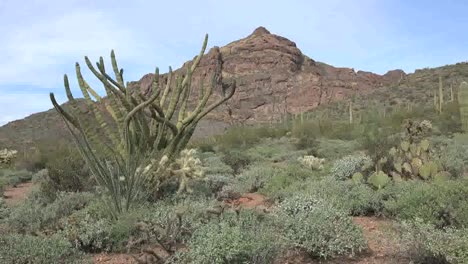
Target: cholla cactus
point(414, 131)
point(312, 162)
point(186, 167)
point(7, 156)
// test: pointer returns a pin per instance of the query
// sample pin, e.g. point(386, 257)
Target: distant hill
point(274, 79)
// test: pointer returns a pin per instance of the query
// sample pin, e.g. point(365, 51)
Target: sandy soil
point(15, 195)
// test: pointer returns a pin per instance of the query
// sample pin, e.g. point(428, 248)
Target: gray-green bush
point(27, 249)
point(234, 239)
point(319, 228)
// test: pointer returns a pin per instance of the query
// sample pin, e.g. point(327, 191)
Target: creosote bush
point(243, 238)
point(345, 167)
point(428, 244)
point(442, 204)
point(25, 249)
point(319, 228)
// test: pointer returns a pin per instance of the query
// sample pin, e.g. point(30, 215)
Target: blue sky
point(40, 40)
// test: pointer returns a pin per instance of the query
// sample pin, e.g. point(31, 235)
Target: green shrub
point(4, 210)
point(453, 153)
point(428, 244)
point(3, 185)
point(319, 228)
point(345, 167)
point(279, 181)
point(236, 159)
point(336, 148)
point(32, 216)
point(27, 249)
point(87, 233)
point(67, 172)
point(255, 177)
point(243, 239)
point(213, 164)
point(441, 203)
point(353, 198)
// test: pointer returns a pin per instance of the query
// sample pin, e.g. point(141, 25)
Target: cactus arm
point(118, 74)
point(167, 88)
point(218, 103)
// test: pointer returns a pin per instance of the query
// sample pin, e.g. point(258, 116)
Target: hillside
point(275, 79)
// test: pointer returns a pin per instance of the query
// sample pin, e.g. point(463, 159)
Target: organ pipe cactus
point(121, 140)
point(463, 103)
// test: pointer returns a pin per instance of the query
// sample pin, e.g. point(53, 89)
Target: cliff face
point(274, 78)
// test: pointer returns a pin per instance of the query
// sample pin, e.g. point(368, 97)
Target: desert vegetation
point(135, 186)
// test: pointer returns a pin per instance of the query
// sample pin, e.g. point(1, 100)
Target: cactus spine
point(463, 104)
point(126, 150)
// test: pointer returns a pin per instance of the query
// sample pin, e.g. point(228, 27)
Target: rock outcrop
point(275, 79)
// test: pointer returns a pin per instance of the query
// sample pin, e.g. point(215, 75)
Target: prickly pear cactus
point(357, 177)
point(413, 158)
point(379, 179)
point(463, 103)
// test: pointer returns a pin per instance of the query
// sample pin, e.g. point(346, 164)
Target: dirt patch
point(251, 201)
point(15, 195)
point(113, 259)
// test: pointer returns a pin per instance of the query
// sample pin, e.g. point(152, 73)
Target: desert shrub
point(353, 198)
point(441, 203)
point(345, 167)
point(254, 178)
point(87, 233)
point(32, 216)
point(213, 164)
point(319, 228)
point(307, 143)
point(67, 172)
point(449, 122)
point(336, 148)
point(281, 178)
point(428, 244)
point(236, 159)
point(3, 185)
point(13, 177)
point(453, 153)
point(4, 210)
point(242, 239)
point(25, 249)
point(378, 139)
point(211, 184)
point(204, 145)
point(241, 136)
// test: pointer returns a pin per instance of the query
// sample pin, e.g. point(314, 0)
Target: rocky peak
point(275, 79)
point(260, 31)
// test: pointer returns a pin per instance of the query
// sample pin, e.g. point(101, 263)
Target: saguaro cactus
point(463, 103)
point(441, 94)
point(124, 143)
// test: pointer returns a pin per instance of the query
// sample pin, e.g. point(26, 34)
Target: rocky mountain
point(274, 79)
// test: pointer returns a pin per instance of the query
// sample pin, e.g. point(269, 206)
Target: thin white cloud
point(36, 54)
